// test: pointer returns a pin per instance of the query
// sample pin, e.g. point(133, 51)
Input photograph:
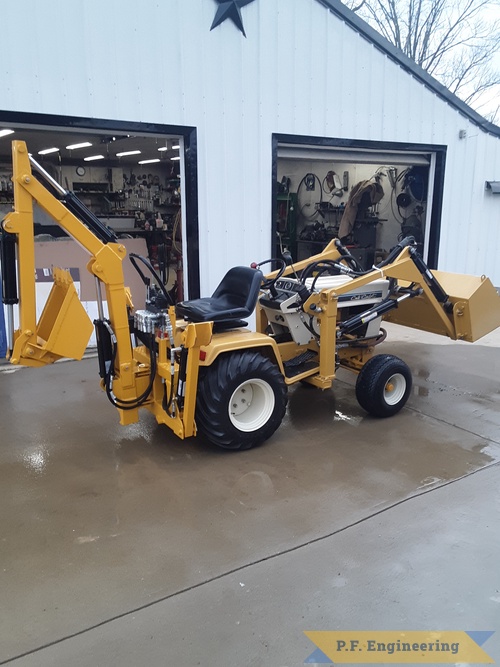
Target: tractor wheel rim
point(251, 405)
point(394, 389)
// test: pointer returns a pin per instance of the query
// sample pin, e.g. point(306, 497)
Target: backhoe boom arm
point(64, 328)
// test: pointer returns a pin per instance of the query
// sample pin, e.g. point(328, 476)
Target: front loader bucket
point(476, 308)
point(64, 328)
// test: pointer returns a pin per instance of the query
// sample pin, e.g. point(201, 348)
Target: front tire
point(241, 400)
point(383, 385)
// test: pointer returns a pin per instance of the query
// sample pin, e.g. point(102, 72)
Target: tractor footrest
point(300, 364)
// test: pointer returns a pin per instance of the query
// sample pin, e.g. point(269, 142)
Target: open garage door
point(371, 195)
point(139, 179)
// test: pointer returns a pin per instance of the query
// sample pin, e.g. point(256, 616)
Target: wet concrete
point(99, 520)
point(383, 573)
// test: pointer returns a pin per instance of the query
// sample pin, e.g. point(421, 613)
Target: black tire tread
point(371, 382)
point(213, 394)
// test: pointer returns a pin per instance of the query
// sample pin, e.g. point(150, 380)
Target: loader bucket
point(64, 327)
point(476, 308)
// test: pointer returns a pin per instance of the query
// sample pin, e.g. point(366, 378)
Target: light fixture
point(127, 153)
point(175, 158)
point(46, 151)
point(93, 157)
point(156, 159)
point(493, 187)
point(176, 147)
point(73, 147)
point(4, 133)
point(163, 148)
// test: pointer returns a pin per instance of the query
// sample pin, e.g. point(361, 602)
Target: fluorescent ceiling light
point(46, 151)
point(174, 148)
point(84, 144)
point(163, 148)
point(127, 153)
point(175, 158)
point(4, 133)
point(157, 159)
point(93, 157)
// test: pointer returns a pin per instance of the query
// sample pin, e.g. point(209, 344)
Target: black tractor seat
point(235, 298)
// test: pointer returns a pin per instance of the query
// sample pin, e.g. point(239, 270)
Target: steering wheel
point(270, 282)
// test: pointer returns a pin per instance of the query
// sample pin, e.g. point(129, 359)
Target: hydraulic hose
point(124, 404)
point(397, 250)
point(133, 256)
point(350, 259)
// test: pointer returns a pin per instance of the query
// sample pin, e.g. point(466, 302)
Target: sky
point(491, 99)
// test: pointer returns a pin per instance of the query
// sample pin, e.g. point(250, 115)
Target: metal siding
point(301, 70)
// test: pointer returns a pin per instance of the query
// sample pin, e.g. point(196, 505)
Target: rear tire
point(383, 385)
point(241, 400)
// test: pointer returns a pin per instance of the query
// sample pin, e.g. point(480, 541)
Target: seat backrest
point(240, 286)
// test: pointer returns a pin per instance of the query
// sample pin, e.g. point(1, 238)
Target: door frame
point(438, 161)
point(190, 186)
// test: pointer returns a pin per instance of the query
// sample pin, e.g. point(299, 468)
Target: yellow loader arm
point(462, 307)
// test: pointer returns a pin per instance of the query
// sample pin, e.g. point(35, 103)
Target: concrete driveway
point(126, 546)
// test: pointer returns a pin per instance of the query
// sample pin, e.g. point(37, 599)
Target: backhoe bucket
point(64, 327)
point(476, 308)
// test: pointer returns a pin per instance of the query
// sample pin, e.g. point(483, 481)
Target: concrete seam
point(438, 419)
point(460, 428)
point(247, 565)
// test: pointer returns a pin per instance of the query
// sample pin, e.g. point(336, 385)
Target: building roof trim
point(410, 66)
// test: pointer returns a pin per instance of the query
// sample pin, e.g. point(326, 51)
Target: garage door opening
point(139, 179)
point(369, 194)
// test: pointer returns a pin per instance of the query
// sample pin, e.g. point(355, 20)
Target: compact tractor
point(195, 364)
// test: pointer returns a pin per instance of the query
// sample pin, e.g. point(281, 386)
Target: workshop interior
point(131, 182)
point(368, 199)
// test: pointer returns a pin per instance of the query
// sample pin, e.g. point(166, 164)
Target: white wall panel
point(300, 70)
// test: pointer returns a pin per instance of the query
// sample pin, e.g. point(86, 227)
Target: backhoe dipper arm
point(64, 327)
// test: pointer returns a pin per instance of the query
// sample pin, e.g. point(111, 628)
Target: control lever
point(287, 256)
point(273, 291)
point(302, 292)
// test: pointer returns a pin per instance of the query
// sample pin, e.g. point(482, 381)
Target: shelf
point(322, 241)
point(92, 192)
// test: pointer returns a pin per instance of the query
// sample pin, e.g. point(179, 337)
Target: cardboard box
point(67, 254)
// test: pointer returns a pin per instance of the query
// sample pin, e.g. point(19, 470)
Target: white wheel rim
point(394, 389)
point(251, 405)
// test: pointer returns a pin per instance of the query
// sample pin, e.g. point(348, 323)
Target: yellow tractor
point(195, 365)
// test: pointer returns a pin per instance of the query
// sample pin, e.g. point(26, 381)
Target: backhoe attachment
point(63, 330)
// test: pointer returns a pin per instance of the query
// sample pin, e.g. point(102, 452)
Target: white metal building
point(310, 89)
